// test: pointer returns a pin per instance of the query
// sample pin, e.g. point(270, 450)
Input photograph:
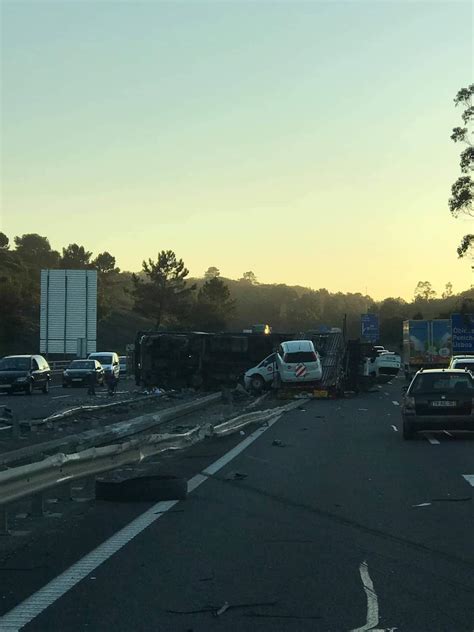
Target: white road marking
point(432, 440)
point(395, 403)
point(469, 478)
point(35, 604)
point(372, 600)
point(447, 433)
point(395, 428)
point(422, 505)
point(61, 396)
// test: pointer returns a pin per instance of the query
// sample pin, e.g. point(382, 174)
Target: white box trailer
point(68, 313)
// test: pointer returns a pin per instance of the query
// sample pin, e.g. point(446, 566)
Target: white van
point(298, 361)
point(109, 360)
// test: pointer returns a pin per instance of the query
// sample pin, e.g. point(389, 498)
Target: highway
point(324, 521)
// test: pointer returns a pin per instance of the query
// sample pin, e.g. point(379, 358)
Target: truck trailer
point(426, 344)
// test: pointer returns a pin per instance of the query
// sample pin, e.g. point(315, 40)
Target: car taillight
point(315, 357)
point(409, 402)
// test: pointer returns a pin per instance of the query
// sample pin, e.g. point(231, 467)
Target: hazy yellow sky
point(308, 142)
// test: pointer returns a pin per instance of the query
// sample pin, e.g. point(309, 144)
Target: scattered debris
point(222, 609)
point(278, 443)
point(242, 433)
point(236, 476)
point(320, 416)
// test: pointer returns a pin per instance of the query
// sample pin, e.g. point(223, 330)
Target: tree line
point(163, 296)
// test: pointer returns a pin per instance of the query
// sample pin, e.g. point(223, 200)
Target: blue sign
point(462, 328)
point(369, 327)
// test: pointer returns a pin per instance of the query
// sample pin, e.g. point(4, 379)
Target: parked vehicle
point(79, 372)
point(24, 373)
point(462, 362)
point(109, 360)
point(123, 365)
point(261, 376)
point(426, 344)
point(438, 399)
point(298, 362)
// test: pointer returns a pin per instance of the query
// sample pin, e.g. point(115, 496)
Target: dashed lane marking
point(372, 600)
point(432, 440)
point(395, 428)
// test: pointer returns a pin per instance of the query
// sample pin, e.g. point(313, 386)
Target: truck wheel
point(257, 383)
point(408, 432)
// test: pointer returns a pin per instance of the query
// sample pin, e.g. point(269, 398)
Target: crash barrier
point(108, 434)
point(36, 478)
point(58, 366)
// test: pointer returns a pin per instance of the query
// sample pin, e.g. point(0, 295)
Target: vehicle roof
point(102, 353)
point(463, 359)
point(453, 371)
point(24, 355)
point(298, 345)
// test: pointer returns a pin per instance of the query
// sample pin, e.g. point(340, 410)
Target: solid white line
point(35, 604)
point(469, 478)
point(432, 440)
point(395, 403)
point(372, 600)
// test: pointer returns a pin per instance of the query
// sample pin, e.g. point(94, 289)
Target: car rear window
point(300, 356)
point(15, 364)
point(464, 365)
point(439, 383)
point(82, 364)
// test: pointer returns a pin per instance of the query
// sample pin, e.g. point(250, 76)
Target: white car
point(298, 362)
point(109, 360)
point(261, 376)
point(462, 362)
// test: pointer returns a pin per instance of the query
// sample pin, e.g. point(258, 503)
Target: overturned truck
point(198, 359)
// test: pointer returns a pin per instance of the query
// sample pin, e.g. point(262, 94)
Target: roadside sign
point(462, 327)
point(369, 327)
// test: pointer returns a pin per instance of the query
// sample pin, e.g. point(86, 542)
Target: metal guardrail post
point(37, 506)
point(4, 521)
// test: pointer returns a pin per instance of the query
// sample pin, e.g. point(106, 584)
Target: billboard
point(68, 312)
point(462, 327)
point(369, 327)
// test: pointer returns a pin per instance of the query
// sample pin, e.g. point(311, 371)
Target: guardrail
point(60, 469)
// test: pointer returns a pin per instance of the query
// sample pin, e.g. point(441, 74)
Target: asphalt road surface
point(325, 521)
point(39, 406)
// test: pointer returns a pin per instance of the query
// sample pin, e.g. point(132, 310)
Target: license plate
point(77, 379)
point(444, 404)
point(320, 394)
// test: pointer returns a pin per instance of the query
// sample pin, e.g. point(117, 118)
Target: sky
point(306, 141)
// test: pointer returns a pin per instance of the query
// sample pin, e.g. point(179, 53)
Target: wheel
point(408, 432)
point(29, 388)
point(257, 383)
point(45, 388)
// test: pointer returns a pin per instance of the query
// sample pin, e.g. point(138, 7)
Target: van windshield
point(103, 359)
point(300, 356)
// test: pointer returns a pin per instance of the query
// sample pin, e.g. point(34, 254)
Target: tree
point(105, 263)
point(213, 306)
point(448, 291)
point(76, 257)
point(164, 293)
point(4, 242)
point(36, 251)
point(249, 277)
point(212, 273)
point(424, 291)
point(462, 191)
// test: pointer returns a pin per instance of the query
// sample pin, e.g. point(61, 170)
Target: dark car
point(439, 399)
point(24, 373)
point(79, 373)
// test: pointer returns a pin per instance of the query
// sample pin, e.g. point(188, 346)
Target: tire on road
point(257, 383)
point(29, 388)
point(45, 388)
point(142, 488)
